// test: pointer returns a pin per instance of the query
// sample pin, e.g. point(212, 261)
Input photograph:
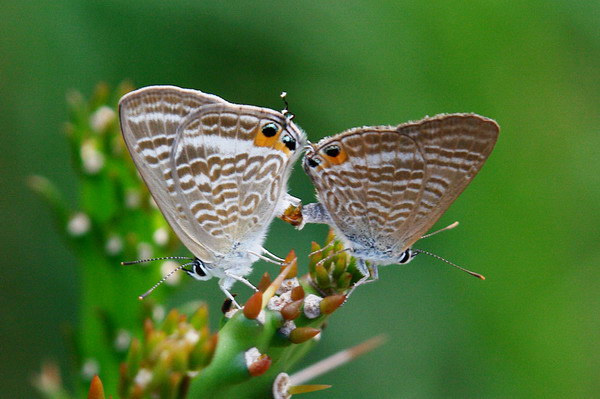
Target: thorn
point(330, 236)
point(297, 293)
point(291, 259)
point(272, 289)
point(96, 389)
point(323, 280)
point(264, 282)
point(298, 389)
point(315, 249)
point(330, 303)
point(148, 328)
point(303, 334)
point(253, 306)
point(291, 310)
point(260, 366)
point(336, 360)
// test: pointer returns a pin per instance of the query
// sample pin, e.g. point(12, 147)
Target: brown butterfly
point(381, 188)
point(218, 172)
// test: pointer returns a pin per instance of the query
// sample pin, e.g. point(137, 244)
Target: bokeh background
point(529, 222)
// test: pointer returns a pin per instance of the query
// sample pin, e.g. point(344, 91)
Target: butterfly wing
point(194, 152)
point(454, 147)
point(149, 120)
point(385, 186)
point(229, 176)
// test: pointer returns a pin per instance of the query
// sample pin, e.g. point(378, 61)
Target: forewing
point(230, 176)
point(149, 121)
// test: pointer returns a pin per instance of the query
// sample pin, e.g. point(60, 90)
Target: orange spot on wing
point(260, 140)
point(337, 160)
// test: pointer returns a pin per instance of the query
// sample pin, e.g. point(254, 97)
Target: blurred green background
point(529, 222)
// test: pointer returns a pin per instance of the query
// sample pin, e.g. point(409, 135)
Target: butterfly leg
point(223, 283)
point(259, 256)
point(272, 255)
point(241, 280)
point(315, 213)
point(362, 267)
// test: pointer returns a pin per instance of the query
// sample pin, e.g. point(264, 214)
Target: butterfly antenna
point(135, 262)
point(162, 280)
point(286, 111)
point(420, 251)
point(449, 227)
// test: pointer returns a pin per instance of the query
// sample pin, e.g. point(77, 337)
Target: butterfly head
point(199, 270)
point(323, 156)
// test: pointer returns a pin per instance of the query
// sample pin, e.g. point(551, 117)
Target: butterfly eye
point(313, 162)
point(289, 142)
point(332, 151)
point(270, 129)
point(199, 270)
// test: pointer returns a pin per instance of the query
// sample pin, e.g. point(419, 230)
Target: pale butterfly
point(381, 188)
point(218, 172)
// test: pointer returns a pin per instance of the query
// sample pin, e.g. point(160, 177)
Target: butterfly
point(381, 188)
point(217, 171)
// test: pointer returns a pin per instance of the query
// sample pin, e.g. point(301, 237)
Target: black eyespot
point(332, 151)
point(270, 129)
point(289, 142)
point(313, 162)
point(199, 270)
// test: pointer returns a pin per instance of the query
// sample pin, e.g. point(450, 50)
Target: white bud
point(278, 302)
point(251, 355)
point(191, 336)
point(143, 378)
point(102, 118)
point(161, 236)
point(91, 158)
point(132, 199)
point(114, 245)
point(158, 313)
point(144, 250)
point(287, 328)
point(287, 285)
point(90, 368)
point(79, 224)
point(311, 306)
point(281, 385)
point(122, 340)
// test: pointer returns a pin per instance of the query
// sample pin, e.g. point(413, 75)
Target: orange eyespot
point(268, 135)
point(335, 154)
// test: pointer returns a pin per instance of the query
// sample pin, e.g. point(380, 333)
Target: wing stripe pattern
point(149, 121)
point(197, 155)
point(394, 183)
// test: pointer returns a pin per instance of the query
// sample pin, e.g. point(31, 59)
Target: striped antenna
point(162, 280)
point(135, 262)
